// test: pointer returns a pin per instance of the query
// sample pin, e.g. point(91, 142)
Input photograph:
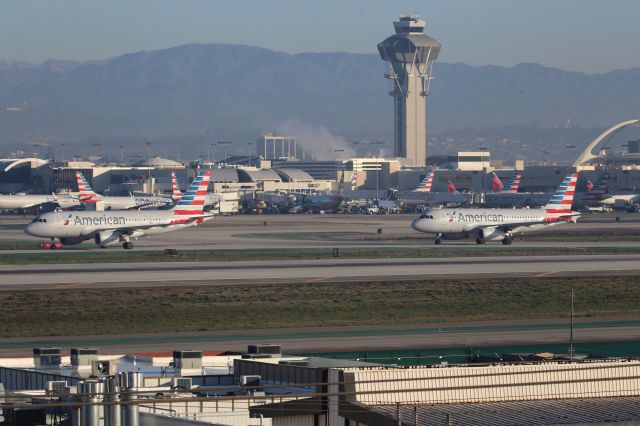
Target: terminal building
point(263, 386)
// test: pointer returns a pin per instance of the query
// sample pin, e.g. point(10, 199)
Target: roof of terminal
point(260, 175)
point(7, 164)
point(294, 175)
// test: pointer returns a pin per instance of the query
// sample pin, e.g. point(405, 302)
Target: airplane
point(426, 183)
point(512, 185)
point(211, 199)
point(87, 195)
point(499, 224)
point(109, 228)
point(424, 195)
point(496, 183)
point(27, 201)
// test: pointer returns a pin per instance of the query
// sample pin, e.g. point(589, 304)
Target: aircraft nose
point(415, 224)
point(32, 229)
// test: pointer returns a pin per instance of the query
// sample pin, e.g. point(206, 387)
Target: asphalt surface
point(255, 232)
point(134, 275)
point(359, 338)
point(325, 231)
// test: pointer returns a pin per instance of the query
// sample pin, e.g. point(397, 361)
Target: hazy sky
point(583, 35)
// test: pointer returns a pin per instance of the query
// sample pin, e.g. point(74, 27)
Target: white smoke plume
point(317, 142)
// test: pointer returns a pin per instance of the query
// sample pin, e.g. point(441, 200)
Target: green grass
point(117, 255)
point(79, 312)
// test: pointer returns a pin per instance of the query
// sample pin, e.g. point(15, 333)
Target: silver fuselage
point(33, 200)
point(463, 220)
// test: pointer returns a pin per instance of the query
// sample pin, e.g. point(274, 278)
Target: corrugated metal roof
point(224, 175)
point(263, 175)
point(294, 175)
point(542, 412)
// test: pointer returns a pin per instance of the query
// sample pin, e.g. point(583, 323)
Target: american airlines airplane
point(499, 224)
point(512, 185)
point(109, 228)
point(20, 201)
point(210, 200)
point(87, 195)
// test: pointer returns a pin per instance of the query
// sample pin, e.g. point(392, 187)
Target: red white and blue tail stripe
point(427, 182)
point(562, 199)
point(85, 192)
point(192, 202)
point(512, 185)
point(177, 194)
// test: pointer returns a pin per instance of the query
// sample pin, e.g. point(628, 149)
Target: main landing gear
point(438, 239)
point(127, 245)
point(480, 241)
point(507, 240)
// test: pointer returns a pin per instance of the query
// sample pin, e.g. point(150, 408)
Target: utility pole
point(571, 348)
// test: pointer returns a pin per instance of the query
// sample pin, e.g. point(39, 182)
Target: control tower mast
point(411, 54)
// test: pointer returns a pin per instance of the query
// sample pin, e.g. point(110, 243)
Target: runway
point(326, 231)
point(137, 275)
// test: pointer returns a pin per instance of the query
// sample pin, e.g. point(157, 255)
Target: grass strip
point(117, 255)
point(185, 309)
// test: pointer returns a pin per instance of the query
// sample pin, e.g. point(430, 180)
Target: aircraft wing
point(130, 229)
point(509, 227)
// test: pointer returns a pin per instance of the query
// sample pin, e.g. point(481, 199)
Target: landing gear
point(438, 239)
point(480, 241)
point(127, 245)
point(507, 240)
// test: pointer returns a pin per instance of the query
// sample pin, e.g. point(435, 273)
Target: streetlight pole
point(224, 145)
point(356, 143)
point(148, 144)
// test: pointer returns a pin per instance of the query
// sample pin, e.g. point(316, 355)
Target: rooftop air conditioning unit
point(56, 386)
point(182, 383)
point(103, 368)
point(250, 380)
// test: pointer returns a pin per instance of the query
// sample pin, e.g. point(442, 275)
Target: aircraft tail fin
point(562, 199)
point(426, 183)
point(496, 183)
point(192, 202)
point(512, 185)
point(86, 193)
point(176, 194)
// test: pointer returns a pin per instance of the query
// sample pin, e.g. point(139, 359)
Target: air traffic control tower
point(410, 54)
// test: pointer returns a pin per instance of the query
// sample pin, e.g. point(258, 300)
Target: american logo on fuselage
point(480, 217)
point(101, 220)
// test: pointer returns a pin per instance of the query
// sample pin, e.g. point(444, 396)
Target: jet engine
point(491, 233)
point(107, 238)
point(70, 241)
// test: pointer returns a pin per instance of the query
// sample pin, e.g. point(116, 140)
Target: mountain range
point(218, 91)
